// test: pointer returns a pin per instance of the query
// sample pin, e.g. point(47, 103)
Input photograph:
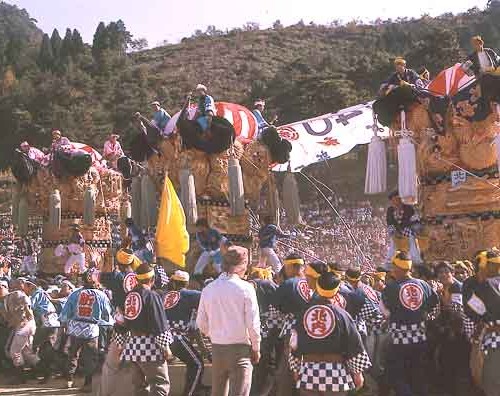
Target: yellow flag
point(172, 238)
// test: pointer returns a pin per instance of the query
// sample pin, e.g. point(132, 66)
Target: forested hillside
point(57, 81)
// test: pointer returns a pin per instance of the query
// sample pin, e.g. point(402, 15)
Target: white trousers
point(206, 258)
point(20, 345)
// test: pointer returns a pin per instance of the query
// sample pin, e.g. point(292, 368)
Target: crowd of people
point(308, 327)
point(356, 236)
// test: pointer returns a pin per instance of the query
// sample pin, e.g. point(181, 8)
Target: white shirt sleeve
point(252, 318)
point(202, 317)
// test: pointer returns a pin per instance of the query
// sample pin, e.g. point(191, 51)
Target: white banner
point(329, 136)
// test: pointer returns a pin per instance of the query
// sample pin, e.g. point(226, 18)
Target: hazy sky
point(159, 20)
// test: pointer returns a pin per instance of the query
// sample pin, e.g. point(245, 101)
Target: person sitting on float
point(32, 152)
point(403, 76)
point(160, 117)
point(485, 64)
point(482, 60)
point(259, 106)
point(206, 108)
point(424, 75)
point(59, 142)
point(112, 150)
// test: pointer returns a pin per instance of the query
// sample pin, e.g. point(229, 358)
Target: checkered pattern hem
point(178, 328)
point(270, 320)
point(294, 363)
point(288, 324)
point(361, 326)
point(324, 377)
point(468, 326)
point(491, 339)
point(435, 312)
point(359, 363)
point(119, 338)
point(142, 349)
point(371, 314)
point(407, 334)
point(164, 340)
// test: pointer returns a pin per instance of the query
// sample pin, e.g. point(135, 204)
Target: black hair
point(353, 273)
point(441, 265)
point(319, 267)
point(328, 281)
point(393, 194)
point(402, 255)
point(202, 222)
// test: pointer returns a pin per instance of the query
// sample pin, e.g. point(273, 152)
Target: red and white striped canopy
point(243, 120)
point(450, 81)
point(96, 156)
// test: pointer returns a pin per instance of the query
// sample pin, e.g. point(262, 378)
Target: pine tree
point(67, 46)
point(45, 56)
point(100, 42)
point(56, 43)
point(77, 43)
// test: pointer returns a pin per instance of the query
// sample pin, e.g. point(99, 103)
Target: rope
point(468, 172)
point(340, 217)
point(305, 253)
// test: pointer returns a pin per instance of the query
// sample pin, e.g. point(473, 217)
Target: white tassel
point(236, 189)
point(496, 141)
point(376, 167)
point(291, 199)
point(188, 195)
point(407, 177)
point(89, 206)
point(55, 209)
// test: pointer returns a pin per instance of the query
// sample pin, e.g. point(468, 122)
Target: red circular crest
point(129, 282)
point(288, 133)
point(411, 296)
point(339, 300)
point(171, 299)
point(370, 293)
point(133, 306)
point(304, 290)
point(319, 321)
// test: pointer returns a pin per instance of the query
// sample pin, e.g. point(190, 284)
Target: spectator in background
point(229, 315)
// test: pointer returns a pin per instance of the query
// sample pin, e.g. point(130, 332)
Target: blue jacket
point(205, 104)
point(86, 310)
point(409, 301)
point(268, 235)
point(161, 118)
point(209, 241)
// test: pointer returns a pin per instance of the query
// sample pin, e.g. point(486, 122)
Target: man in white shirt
point(229, 315)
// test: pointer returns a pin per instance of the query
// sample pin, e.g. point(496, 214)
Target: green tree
point(56, 43)
point(100, 43)
point(45, 55)
point(77, 44)
point(67, 46)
